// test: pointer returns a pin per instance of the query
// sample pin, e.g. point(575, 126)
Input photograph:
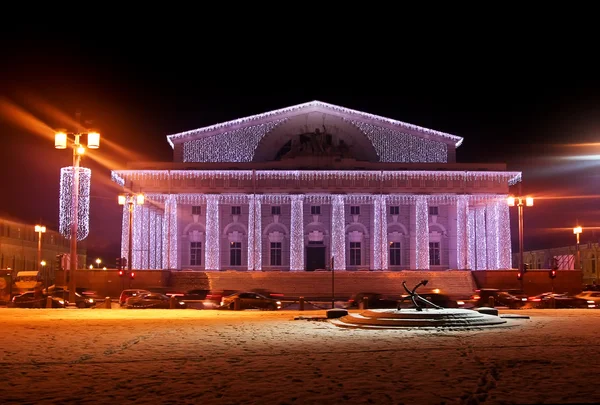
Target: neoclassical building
point(290, 189)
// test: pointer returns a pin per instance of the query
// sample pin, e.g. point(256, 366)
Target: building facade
point(300, 188)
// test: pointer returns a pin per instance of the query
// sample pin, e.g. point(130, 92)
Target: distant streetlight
point(40, 229)
point(98, 261)
point(577, 230)
point(520, 202)
point(60, 142)
point(130, 200)
point(43, 264)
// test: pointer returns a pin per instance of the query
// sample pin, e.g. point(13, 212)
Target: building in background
point(292, 188)
point(19, 247)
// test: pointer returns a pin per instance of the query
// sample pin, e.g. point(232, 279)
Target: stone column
point(491, 235)
point(170, 233)
point(480, 238)
point(379, 259)
point(338, 232)
point(421, 232)
point(462, 232)
point(471, 239)
point(151, 239)
point(254, 234)
point(125, 232)
point(297, 234)
point(138, 237)
point(504, 239)
point(211, 251)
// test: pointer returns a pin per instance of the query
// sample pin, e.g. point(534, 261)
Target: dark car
point(554, 300)
point(153, 300)
point(80, 300)
point(501, 298)
point(441, 300)
point(125, 294)
point(250, 300)
point(36, 299)
point(373, 300)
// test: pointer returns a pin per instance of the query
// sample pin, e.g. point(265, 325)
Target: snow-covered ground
point(101, 356)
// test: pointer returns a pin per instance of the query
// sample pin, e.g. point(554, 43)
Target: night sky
point(531, 115)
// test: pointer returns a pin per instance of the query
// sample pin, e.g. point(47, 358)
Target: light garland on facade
point(212, 257)
point(462, 240)
point(297, 234)
point(237, 145)
point(338, 232)
point(65, 213)
point(170, 259)
point(422, 233)
point(480, 238)
point(125, 232)
point(384, 234)
point(120, 176)
point(471, 238)
point(400, 147)
point(152, 242)
point(254, 234)
point(138, 246)
point(319, 105)
point(380, 233)
point(505, 255)
point(492, 240)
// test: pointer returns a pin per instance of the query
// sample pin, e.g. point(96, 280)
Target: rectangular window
point(355, 210)
point(235, 253)
point(315, 210)
point(276, 210)
point(433, 210)
point(196, 210)
point(236, 210)
point(195, 253)
point(434, 253)
point(275, 253)
point(394, 253)
point(395, 210)
point(354, 253)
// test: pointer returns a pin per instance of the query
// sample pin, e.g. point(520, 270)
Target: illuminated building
point(291, 188)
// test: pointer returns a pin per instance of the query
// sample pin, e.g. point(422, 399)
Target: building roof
point(312, 106)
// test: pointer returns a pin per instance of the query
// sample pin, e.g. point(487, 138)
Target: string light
point(237, 145)
point(66, 202)
point(297, 234)
point(312, 106)
point(394, 146)
point(212, 258)
point(125, 232)
point(491, 227)
point(152, 243)
point(254, 234)
point(471, 239)
point(505, 255)
point(169, 232)
point(462, 213)
point(422, 232)
point(480, 238)
point(338, 237)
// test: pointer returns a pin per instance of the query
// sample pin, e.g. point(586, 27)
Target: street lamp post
point(40, 229)
point(577, 230)
point(44, 273)
point(520, 202)
point(130, 200)
point(60, 142)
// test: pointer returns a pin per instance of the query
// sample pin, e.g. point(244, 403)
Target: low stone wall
point(534, 282)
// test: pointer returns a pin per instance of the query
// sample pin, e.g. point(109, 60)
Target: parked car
point(250, 300)
point(80, 300)
point(125, 294)
point(153, 300)
point(35, 299)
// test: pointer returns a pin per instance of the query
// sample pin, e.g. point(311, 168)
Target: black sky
point(516, 106)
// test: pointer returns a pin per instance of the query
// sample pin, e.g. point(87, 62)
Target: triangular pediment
point(313, 106)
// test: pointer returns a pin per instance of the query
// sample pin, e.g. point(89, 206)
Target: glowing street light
point(577, 230)
point(60, 142)
point(130, 200)
point(40, 229)
point(98, 261)
point(520, 202)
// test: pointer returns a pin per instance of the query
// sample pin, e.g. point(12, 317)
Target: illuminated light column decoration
point(471, 239)
point(491, 234)
point(380, 246)
point(462, 240)
point(138, 237)
point(504, 238)
point(338, 232)
point(125, 232)
point(422, 232)
point(480, 238)
point(169, 233)
point(66, 202)
point(254, 234)
point(297, 234)
point(211, 255)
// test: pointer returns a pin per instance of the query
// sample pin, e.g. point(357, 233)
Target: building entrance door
point(315, 258)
